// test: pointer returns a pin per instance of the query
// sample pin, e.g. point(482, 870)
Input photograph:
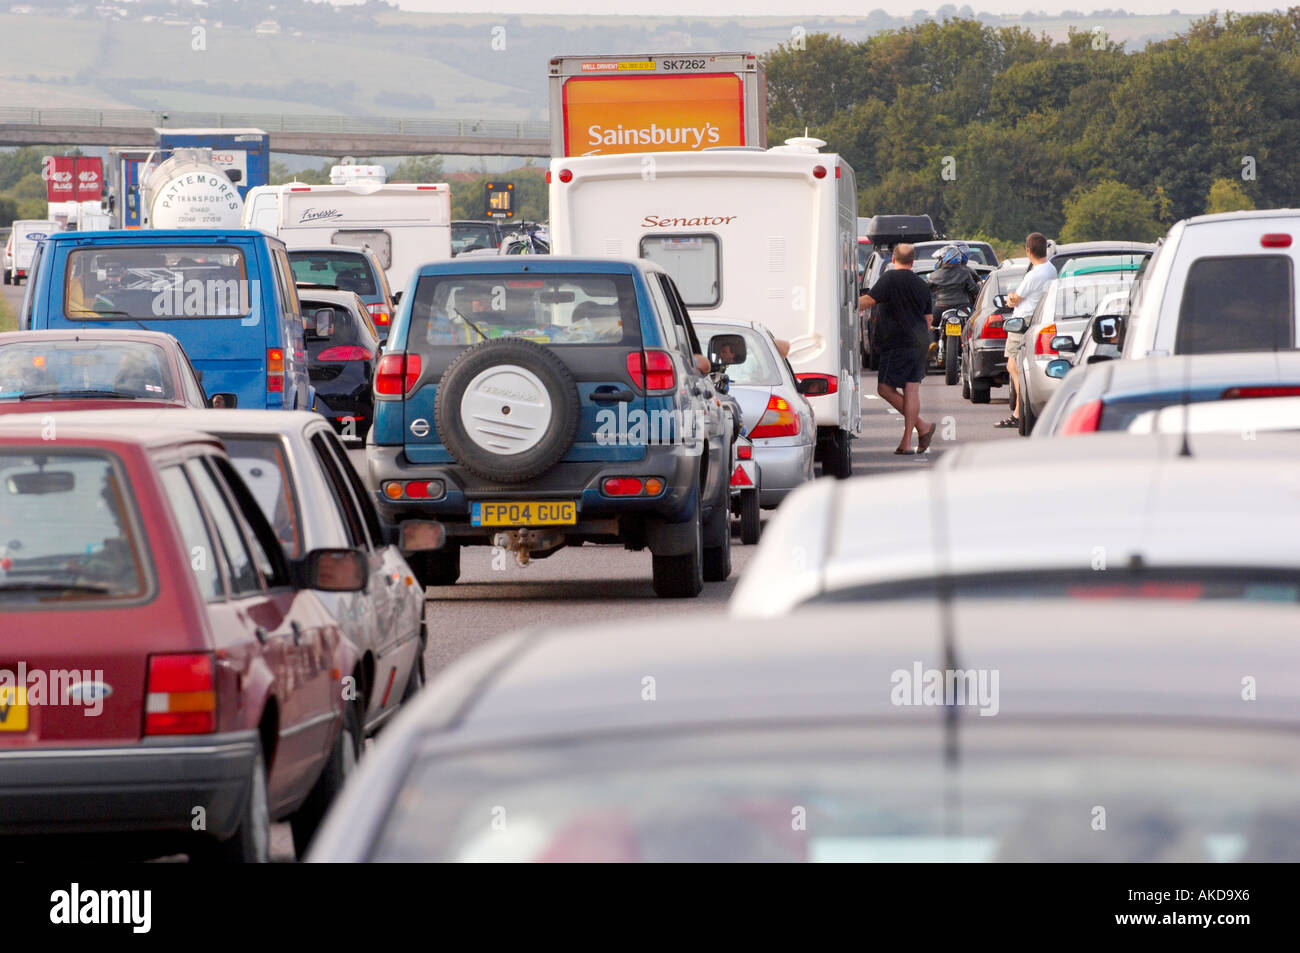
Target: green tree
point(1227, 195)
point(418, 169)
point(1111, 210)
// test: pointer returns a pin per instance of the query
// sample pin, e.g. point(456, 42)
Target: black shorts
point(903, 365)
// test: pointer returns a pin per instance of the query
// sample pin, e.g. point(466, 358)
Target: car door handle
point(297, 632)
point(609, 396)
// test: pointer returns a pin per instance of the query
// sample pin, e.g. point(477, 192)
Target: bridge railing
point(273, 122)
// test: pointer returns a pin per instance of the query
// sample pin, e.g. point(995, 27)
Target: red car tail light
point(652, 371)
point(779, 420)
point(1085, 419)
point(345, 352)
point(181, 695)
point(1274, 391)
point(379, 314)
point(993, 330)
point(274, 371)
point(396, 374)
point(622, 486)
point(1043, 345)
point(832, 382)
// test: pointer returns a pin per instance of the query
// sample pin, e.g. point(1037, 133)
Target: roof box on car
point(892, 229)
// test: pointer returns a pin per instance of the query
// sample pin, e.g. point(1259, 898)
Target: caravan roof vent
point(349, 174)
point(802, 144)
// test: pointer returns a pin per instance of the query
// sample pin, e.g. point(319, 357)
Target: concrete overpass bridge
point(316, 135)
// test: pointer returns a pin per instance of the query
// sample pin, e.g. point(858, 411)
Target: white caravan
point(748, 234)
point(26, 234)
point(404, 225)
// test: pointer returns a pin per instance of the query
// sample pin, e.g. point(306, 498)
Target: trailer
point(660, 102)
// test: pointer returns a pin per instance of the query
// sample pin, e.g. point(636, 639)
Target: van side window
point(288, 290)
point(1240, 303)
point(25, 310)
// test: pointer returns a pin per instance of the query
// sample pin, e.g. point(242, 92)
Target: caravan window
point(694, 261)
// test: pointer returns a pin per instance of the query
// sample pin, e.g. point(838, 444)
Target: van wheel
point(979, 392)
point(251, 843)
point(749, 517)
point(342, 762)
point(437, 567)
point(717, 557)
point(681, 576)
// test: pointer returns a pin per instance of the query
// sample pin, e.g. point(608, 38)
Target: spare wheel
point(507, 409)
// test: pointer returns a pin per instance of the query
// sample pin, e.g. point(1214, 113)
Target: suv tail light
point(993, 330)
point(181, 695)
point(832, 382)
point(779, 420)
point(1275, 240)
point(274, 370)
point(345, 352)
point(1274, 391)
point(1043, 346)
point(1085, 419)
point(396, 374)
point(379, 314)
point(652, 371)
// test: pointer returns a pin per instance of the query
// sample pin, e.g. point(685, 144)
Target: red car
point(45, 371)
point(165, 671)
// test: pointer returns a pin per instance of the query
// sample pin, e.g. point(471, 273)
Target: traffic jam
point(283, 468)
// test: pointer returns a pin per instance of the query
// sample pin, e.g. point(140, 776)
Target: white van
point(1218, 283)
point(748, 234)
point(404, 225)
point(26, 234)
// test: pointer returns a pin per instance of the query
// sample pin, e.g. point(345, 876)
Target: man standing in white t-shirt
point(1024, 300)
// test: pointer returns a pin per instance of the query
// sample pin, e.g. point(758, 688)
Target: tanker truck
point(189, 190)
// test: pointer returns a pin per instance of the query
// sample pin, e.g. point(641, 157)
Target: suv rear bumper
point(154, 785)
point(678, 466)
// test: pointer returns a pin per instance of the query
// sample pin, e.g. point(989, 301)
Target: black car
point(471, 234)
point(342, 349)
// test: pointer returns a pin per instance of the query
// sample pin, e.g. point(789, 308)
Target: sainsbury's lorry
point(662, 102)
point(766, 235)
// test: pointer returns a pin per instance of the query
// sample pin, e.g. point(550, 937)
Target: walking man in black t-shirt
point(904, 317)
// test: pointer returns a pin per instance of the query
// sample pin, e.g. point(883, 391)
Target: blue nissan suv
point(538, 402)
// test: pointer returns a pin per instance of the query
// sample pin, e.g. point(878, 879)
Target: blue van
point(227, 295)
point(536, 402)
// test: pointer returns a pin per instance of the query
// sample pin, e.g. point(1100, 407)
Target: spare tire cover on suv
point(507, 409)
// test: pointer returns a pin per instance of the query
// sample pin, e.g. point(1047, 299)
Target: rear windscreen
point(1243, 303)
point(458, 310)
point(468, 236)
point(345, 271)
point(148, 282)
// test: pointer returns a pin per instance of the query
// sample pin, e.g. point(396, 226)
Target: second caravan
point(404, 225)
point(766, 235)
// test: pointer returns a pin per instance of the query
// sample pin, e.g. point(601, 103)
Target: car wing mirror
point(733, 344)
point(323, 322)
point(1058, 368)
point(812, 386)
point(1015, 325)
point(334, 570)
point(1065, 344)
point(419, 536)
point(223, 401)
point(1105, 330)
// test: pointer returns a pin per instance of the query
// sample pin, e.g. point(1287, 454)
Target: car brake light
point(832, 382)
point(181, 697)
point(1044, 343)
point(1276, 240)
point(622, 486)
point(1277, 391)
point(379, 314)
point(993, 330)
point(345, 352)
point(652, 371)
point(779, 420)
point(1085, 419)
point(745, 452)
point(274, 371)
point(396, 374)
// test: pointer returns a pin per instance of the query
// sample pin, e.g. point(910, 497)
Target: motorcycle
point(949, 344)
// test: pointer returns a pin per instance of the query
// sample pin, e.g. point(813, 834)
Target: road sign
point(500, 200)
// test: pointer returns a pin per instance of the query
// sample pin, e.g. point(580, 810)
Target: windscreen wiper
point(110, 394)
point(470, 323)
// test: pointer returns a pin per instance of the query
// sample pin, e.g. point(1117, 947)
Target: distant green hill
point(391, 64)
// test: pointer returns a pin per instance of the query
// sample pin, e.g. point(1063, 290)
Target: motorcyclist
point(952, 283)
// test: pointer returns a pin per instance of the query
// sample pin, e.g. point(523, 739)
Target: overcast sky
point(817, 7)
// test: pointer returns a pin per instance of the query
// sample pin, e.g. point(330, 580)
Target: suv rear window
point(345, 271)
point(459, 310)
point(132, 282)
point(1241, 303)
point(65, 531)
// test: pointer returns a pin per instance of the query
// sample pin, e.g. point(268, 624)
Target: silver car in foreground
point(976, 730)
point(1038, 517)
point(777, 418)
